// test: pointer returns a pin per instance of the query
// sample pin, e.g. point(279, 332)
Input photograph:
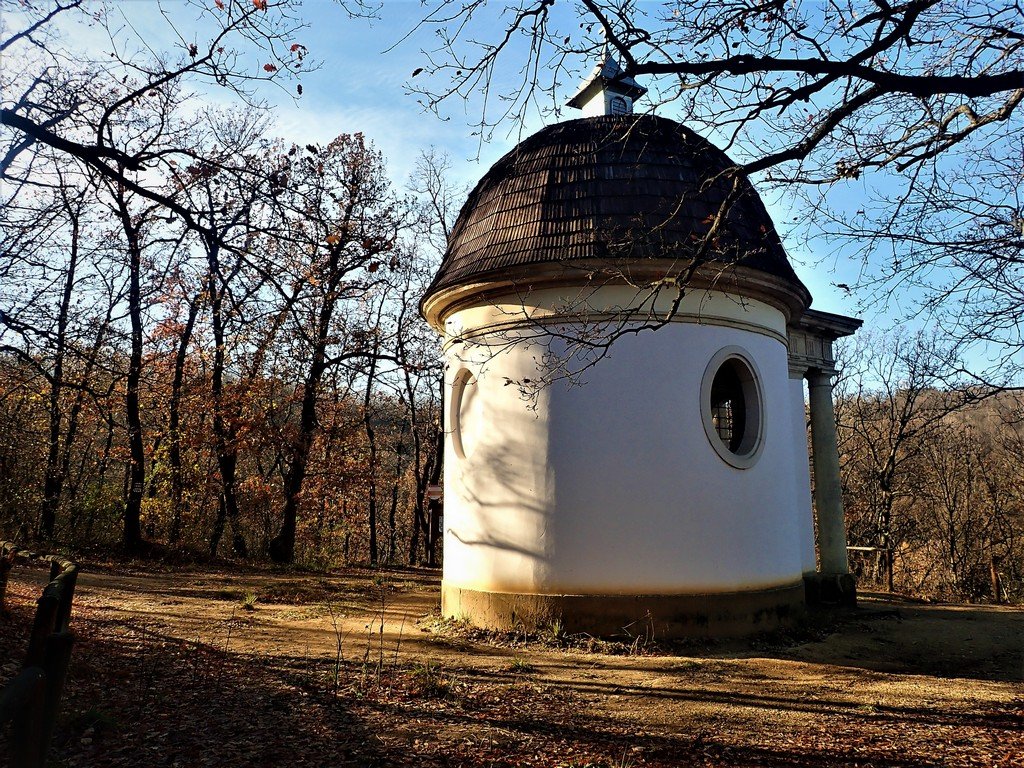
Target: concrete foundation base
point(725, 614)
point(830, 590)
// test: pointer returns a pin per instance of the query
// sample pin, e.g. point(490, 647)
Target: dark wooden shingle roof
point(617, 188)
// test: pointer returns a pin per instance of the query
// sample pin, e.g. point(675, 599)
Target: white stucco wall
point(613, 487)
point(499, 497)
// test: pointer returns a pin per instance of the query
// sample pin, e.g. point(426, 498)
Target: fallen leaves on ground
point(139, 696)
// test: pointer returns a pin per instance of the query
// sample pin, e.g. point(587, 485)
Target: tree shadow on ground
point(570, 729)
point(139, 695)
point(978, 642)
point(135, 697)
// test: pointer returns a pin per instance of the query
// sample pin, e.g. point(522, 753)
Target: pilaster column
point(802, 472)
point(828, 495)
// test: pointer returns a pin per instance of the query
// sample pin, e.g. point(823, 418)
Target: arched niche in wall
point(464, 419)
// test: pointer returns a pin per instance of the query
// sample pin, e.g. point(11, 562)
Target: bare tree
point(174, 455)
point(77, 103)
point(235, 187)
point(890, 402)
point(230, 264)
point(345, 222)
point(912, 108)
point(791, 82)
point(417, 345)
point(54, 312)
point(955, 238)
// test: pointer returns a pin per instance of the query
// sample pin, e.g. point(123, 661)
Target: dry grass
point(167, 671)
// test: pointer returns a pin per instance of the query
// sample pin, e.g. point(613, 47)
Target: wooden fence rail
point(30, 702)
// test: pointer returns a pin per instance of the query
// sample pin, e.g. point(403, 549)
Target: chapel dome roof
point(616, 188)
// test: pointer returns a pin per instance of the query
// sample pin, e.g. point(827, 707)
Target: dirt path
point(895, 684)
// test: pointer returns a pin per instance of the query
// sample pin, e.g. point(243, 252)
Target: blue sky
point(361, 85)
point(362, 88)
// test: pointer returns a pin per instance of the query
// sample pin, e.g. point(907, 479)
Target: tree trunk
point(224, 424)
point(76, 411)
point(282, 546)
point(997, 585)
point(174, 421)
point(54, 483)
point(392, 522)
point(132, 535)
point(218, 526)
point(371, 437)
point(393, 508)
point(434, 507)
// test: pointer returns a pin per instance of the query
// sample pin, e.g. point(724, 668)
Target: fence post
point(68, 580)
point(997, 582)
point(31, 701)
point(27, 749)
point(56, 662)
point(42, 627)
point(7, 555)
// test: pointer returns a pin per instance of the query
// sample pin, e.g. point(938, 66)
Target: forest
point(932, 486)
point(210, 339)
point(931, 474)
point(271, 389)
point(222, 416)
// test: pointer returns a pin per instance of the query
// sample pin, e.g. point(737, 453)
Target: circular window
point(731, 407)
point(464, 413)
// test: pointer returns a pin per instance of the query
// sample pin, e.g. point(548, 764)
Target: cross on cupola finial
point(607, 91)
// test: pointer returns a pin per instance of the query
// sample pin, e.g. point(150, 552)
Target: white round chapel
point(668, 495)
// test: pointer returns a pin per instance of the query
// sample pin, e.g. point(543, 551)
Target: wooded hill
point(931, 473)
point(265, 376)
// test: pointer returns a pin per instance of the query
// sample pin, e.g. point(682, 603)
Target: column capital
point(819, 377)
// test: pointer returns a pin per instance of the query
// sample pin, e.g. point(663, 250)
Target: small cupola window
point(618, 106)
point(731, 407)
